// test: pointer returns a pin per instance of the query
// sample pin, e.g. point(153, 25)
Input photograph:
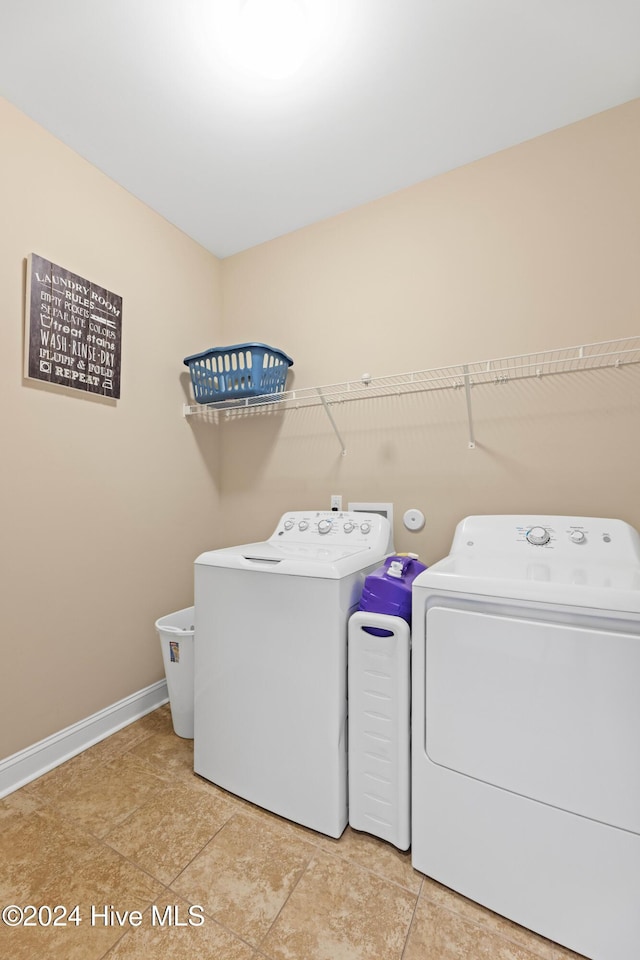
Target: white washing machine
point(526, 726)
point(270, 706)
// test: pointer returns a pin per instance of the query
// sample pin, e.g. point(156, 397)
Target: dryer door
point(547, 710)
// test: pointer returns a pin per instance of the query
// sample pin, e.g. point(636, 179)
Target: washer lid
point(326, 561)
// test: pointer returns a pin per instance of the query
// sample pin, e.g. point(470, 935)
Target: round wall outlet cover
point(413, 519)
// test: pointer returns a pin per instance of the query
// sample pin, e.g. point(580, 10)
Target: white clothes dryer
point(526, 726)
point(270, 708)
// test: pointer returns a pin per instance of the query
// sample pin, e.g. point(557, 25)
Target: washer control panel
point(337, 528)
point(590, 538)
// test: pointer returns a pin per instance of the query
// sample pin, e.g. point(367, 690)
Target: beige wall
point(104, 504)
point(534, 248)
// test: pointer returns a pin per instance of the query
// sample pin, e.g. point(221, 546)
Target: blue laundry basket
point(241, 370)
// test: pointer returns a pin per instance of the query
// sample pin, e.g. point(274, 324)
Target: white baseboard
point(31, 763)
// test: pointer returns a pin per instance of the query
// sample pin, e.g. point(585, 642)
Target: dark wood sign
point(73, 330)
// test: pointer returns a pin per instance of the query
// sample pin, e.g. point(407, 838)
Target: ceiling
point(391, 92)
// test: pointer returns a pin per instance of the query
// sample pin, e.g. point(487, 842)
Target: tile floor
point(127, 826)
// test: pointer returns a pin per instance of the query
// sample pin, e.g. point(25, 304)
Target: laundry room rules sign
point(73, 330)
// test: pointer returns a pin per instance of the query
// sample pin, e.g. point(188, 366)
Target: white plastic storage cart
point(379, 687)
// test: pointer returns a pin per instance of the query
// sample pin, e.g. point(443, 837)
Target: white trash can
point(176, 639)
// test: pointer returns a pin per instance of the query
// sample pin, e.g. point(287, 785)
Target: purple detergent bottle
point(388, 590)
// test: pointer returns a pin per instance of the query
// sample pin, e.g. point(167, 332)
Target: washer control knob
point(324, 526)
point(288, 524)
point(365, 527)
point(303, 525)
point(348, 527)
point(577, 536)
point(538, 536)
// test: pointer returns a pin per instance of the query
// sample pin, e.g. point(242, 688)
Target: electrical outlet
point(336, 501)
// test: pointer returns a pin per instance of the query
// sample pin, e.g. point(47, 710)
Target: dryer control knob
point(365, 527)
point(288, 524)
point(577, 536)
point(538, 536)
point(324, 526)
point(303, 525)
point(348, 527)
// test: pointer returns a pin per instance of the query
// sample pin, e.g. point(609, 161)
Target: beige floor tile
point(54, 783)
point(438, 934)
point(286, 827)
point(244, 875)
point(120, 742)
point(158, 719)
point(97, 796)
point(562, 953)
point(460, 905)
point(374, 854)
point(168, 756)
point(106, 878)
point(154, 939)
point(20, 803)
point(338, 911)
point(57, 943)
point(46, 861)
point(369, 852)
point(33, 846)
point(164, 834)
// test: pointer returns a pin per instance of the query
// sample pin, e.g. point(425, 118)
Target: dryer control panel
point(592, 539)
point(343, 528)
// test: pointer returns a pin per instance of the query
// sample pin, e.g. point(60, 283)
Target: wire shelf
point(590, 356)
point(608, 353)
